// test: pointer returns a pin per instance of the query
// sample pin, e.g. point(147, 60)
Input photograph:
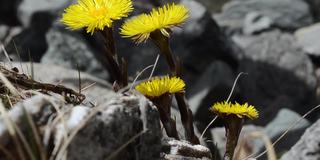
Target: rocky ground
point(274, 41)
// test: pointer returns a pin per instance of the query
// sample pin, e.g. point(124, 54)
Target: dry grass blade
point(154, 66)
point(286, 132)
point(41, 149)
point(22, 137)
point(6, 55)
point(255, 135)
point(24, 142)
point(68, 140)
point(18, 54)
point(47, 131)
point(151, 74)
point(79, 78)
point(234, 84)
point(7, 153)
point(205, 130)
point(138, 75)
point(8, 84)
point(232, 90)
point(8, 122)
point(60, 116)
point(9, 101)
point(88, 86)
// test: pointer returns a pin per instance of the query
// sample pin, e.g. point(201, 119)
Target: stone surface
point(102, 129)
point(307, 38)
point(214, 7)
point(38, 107)
point(314, 7)
point(308, 147)
point(3, 32)
point(202, 41)
point(284, 14)
point(70, 50)
point(30, 44)
point(255, 22)
point(182, 150)
point(28, 7)
point(8, 12)
point(116, 122)
point(271, 59)
point(285, 119)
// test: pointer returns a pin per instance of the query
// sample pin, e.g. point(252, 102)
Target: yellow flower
point(159, 86)
point(163, 18)
point(227, 108)
point(95, 14)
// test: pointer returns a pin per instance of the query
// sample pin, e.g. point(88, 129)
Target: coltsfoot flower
point(95, 14)
point(161, 85)
point(163, 18)
point(241, 111)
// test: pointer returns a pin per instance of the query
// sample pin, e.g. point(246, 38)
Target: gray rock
point(201, 41)
point(3, 32)
point(307, 38)
point(214, 6)
point(31, 42)
point(280, 124)
point(307, 148)
point(255, 22)
point(314, 7)
point(116, 122)
point(182, 150)
point(284, 14)
point(38, 107)
point(68, 49)
point(283, 120)
point(197, 11)
point(8, 12)
point(272, 59)
point(103, 129)
point(28, 7)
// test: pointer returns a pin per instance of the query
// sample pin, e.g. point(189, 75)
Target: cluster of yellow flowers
point(98, 14)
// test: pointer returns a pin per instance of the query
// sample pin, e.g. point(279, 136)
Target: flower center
point(98, 11)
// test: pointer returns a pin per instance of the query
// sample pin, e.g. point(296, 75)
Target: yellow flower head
point(159, 86)
point(241, 111)
point(95, 14)
point(163, 18)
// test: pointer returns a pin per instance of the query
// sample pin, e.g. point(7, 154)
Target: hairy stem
point(118, 70)
point(162, 42)
point(163, 104)
point(233, 126)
